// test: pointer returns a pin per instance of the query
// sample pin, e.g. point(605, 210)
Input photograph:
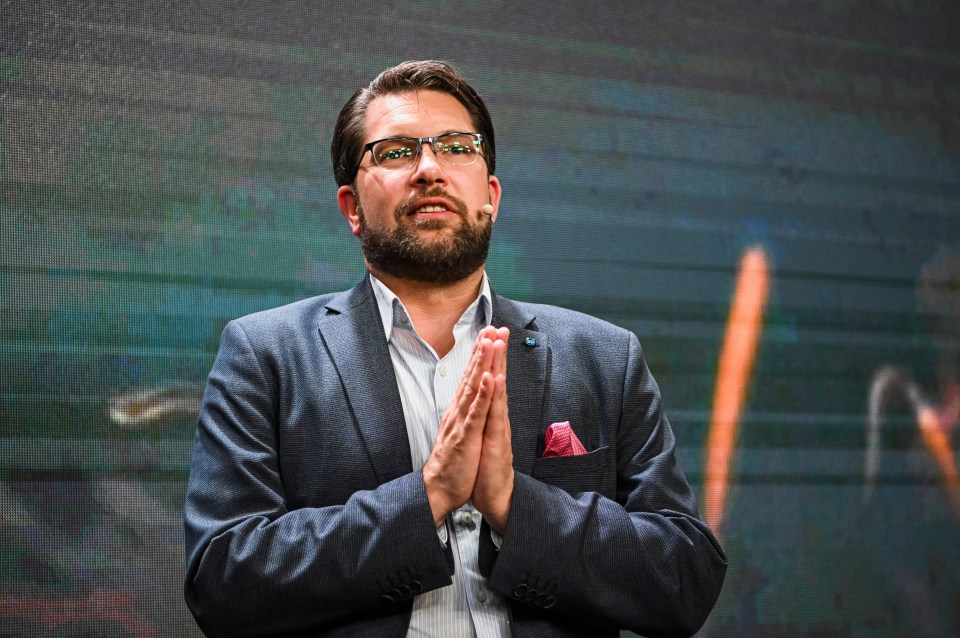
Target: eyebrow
point(414, 137)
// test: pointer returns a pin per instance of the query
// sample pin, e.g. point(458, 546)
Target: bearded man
point(360, 468)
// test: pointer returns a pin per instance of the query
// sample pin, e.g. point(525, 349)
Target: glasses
point(398, 153)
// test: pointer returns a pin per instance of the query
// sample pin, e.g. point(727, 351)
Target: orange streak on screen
point(935, 438)
point(736, 360)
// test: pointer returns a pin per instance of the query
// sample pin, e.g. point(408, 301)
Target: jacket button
point(387, 598)
point(530, 595)
point(549, 602)
point(416, 587)
point(520, 590)
point(538, 601)
point(403, 591)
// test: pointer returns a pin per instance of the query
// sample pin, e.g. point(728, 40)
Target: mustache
point(405, 207)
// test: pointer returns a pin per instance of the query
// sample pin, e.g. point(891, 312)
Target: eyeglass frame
point(419, 140)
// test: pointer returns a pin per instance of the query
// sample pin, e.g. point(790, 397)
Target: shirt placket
point(480, 610)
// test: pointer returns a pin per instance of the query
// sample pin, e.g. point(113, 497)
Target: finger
point(479, 409)
point(471, 387)
point(490, 332)
point(470, 375)
point(468, 382)
point(462, 394)
point(500, 358)
point(498, 419)
point(493, 333)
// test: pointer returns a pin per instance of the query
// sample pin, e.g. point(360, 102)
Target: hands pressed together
point(472, 458)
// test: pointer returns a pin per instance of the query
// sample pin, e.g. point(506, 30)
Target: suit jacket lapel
point(527, 364)
point(353, 334)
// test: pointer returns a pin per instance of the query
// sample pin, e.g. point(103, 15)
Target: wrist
point(498, 513)
point(436, 497)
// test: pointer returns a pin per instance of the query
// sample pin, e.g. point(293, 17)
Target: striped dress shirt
point(427, 384)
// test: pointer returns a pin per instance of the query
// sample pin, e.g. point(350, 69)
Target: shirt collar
point(392, 312)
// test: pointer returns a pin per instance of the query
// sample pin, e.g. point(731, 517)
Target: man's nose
point(428, 167)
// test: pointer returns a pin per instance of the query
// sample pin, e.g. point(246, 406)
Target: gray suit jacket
point(304, 516)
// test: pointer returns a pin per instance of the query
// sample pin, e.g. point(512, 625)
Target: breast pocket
point(591, 472)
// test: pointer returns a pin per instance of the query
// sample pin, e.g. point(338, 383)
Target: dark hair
point(407, 77)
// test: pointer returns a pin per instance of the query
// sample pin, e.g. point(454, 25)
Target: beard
point(401, 252)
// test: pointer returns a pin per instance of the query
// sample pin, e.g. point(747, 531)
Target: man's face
point(421, 223)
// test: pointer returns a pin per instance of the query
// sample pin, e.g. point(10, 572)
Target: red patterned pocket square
point(561, 440)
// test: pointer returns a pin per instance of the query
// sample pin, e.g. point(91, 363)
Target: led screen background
point(165, 168)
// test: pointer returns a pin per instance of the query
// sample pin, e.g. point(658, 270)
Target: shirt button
point(466, 518)
point(481, 594)
point(443, 370)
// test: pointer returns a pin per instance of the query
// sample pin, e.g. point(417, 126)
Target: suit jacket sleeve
point(631, 552)
point(257, 565)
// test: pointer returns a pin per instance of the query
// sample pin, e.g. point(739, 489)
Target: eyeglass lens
point(458, 149)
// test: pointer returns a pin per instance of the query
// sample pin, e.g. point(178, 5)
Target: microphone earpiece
point(486, 209)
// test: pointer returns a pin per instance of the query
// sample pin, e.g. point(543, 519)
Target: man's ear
point(349, 204)
point(495, 193)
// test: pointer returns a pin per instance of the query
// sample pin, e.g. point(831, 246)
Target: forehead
point(415, 114)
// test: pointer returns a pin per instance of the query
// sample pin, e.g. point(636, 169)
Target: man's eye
point(395, 153)
point(457, 149)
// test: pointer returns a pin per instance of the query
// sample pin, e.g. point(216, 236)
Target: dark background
point(165, 168)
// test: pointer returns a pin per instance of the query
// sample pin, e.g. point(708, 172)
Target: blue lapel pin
point(530, 342)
